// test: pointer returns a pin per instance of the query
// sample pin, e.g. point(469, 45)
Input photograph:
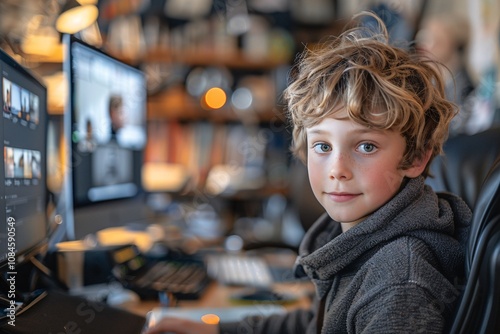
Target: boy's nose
point(340, 167)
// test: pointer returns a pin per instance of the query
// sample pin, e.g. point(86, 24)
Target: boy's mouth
point(340, 197)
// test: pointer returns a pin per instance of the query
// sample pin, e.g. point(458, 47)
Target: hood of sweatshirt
point(440, 220)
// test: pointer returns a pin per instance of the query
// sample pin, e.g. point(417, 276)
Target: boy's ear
point(418, 165)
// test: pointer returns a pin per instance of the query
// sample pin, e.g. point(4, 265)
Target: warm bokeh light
point(210, 319)
point(76, 19)
point(215, 98)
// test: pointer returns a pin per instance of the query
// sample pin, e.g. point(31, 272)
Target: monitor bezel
point(24, 255)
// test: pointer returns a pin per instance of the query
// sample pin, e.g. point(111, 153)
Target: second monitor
point(106, 126)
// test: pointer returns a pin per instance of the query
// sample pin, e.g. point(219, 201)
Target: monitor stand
point(92, 218)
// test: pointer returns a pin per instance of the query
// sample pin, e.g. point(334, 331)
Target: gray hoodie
point(396, 272)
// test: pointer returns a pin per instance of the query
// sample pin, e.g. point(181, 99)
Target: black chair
point(465, 163)
point(478, 310)
point(470, 168)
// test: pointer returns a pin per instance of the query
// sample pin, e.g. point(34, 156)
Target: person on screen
point(368, 117)
point(35, 166)
point(116, 114)
point(112, 163)
point(88, 143)
point(19, 166)
point(8, 157)
point(7, 103)
point(33, 109)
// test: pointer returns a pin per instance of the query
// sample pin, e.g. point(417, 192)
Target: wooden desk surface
point(217, 295)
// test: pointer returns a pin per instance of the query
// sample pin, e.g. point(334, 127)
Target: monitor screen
point(23, 195)
point(106, 122)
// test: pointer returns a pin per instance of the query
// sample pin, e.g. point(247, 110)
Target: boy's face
point(353, 170)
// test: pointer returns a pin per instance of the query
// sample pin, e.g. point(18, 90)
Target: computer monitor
point(23, 195)
point(105, 120)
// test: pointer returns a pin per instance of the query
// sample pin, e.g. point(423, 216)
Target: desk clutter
point(185, 277)
point(181, 276)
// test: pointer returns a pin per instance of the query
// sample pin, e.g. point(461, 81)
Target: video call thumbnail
point(19, 103)
point(22, 163)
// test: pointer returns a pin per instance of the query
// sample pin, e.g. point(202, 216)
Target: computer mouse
point(122, 297)
point(158, 250)
point(262, 295)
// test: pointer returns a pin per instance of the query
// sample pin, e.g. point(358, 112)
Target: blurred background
point(218, 138)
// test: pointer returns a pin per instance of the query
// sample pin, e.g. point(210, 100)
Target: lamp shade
point(75, 17)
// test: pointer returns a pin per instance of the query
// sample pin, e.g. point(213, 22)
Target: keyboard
point(183, 279)
point(240, 270)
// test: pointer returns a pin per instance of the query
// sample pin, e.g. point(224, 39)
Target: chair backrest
point(470, 168)
point(465, 163)
point(478, 310)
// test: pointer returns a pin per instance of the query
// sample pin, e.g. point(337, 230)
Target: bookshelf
point(233, 159)
point(233, 152)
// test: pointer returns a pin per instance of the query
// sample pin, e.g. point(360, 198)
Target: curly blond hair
point(380, 85)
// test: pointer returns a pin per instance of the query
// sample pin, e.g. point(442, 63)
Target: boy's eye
point(367, 148)
point(322, 148)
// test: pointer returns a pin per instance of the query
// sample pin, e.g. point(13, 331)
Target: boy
point(368, 118)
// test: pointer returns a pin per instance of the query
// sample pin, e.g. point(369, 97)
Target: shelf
point(176, 104)
point(207, 57)
point(192, 57)
point(55, 57)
